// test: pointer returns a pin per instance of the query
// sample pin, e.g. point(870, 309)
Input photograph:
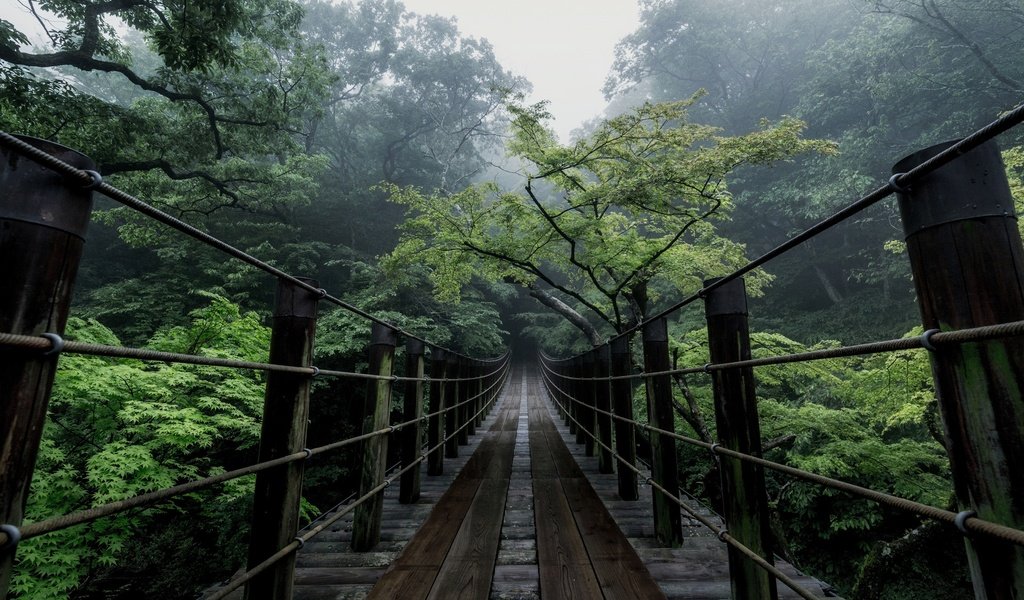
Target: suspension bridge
point(522, 480)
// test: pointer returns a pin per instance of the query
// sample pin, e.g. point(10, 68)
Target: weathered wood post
point(43, 219)
point(745, 502)
point(478, 391)
point(374, 451)
point(602, 399)
point(589, 389)
point(625, 433)
point(463, 396)
point(278, 491)
point(968, 265)
point(577, 391)
point(471, 406)
point(451, 398)
point(412, 435)
point(435, 432)
point(668, 524)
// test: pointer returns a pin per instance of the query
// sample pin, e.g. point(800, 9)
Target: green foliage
point(633, 204)
point(118, 428)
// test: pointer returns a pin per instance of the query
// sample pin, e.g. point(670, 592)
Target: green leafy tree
point(604, 222)
point(117, 428)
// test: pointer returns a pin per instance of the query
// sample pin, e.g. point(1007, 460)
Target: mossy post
point(412, 435)
point(374, 451)
point(744, 500)
point(668, 522)
point(278, 491)
point(471, 402)
point(622, 402)
point(451, 416)
point(43, 219)
point(578, 393)
point(435, 430)
point(602, 399)
point(968, 265)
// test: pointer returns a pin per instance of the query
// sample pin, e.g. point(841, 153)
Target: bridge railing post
point(622, 401)
point(478, 391)
point(576, 391)
point(374, 451)
point(412, 435)
point(602, 399)
point(463, 396)
point(43, 220)
point(589, 389)
point(668, 524)
point(278, 491)
point(451, 398)
point(435, 430)
point(968, 265)
point(745, 501)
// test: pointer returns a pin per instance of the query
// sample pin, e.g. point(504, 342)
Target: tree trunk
point(547, 299)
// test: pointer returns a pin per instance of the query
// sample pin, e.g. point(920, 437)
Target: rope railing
point(934, 338)
point(92, 180)
point(48, 344)
point(300, 541)
point(721, 534)
point(972, 524)
point(112, 508)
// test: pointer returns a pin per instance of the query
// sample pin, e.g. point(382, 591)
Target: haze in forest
point(355, 142)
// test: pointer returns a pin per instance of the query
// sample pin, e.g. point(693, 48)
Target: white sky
point(564, 47)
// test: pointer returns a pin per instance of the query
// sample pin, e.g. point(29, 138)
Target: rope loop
point(13, 537)
point(926, 340)
point(56, 343)
point(707, 367)
point(316, 372)
point(721, 535)
point(96, 180)
point(714, 452)
point(322, 292)
point(309, 453)
point(896, 187)
point(960, 520)
point(301, 542)
point(387, 483)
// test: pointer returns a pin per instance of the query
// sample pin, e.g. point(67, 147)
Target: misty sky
point(564, 47)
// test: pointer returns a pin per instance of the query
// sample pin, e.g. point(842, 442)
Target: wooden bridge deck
point(527, 516)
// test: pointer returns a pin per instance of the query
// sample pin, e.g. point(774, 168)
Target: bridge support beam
point(603, 402)
point(744, 500)
point(622, 400)
point(968, 265)
point(376, 413)
point(278, 491)
point(668, 522)
point(435, 430)
point(43, 220)
point(412, 435)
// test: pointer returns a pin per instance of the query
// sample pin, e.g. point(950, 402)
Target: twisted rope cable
point(721, 534)
point(973, 524)
point(300, 541)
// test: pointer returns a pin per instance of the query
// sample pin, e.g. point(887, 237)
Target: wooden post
point(376, 413)
point(625, 433)
point(463, 395)
point(588, 397)
point(471, 403)
point(478, 390)
point(451, 398)
point(435, 433)
point(412, 435)
point(745, 502)
point(578, 392)
point(668, 524)
point(968, 265)
point(43, 220)
point(602, 399)
point(278, 491)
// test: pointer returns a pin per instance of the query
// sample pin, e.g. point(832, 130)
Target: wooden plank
point(564, 567)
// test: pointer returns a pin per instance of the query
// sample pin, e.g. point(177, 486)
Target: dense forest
point(392, 157)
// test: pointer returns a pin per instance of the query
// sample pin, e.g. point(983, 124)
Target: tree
point(604, 223)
